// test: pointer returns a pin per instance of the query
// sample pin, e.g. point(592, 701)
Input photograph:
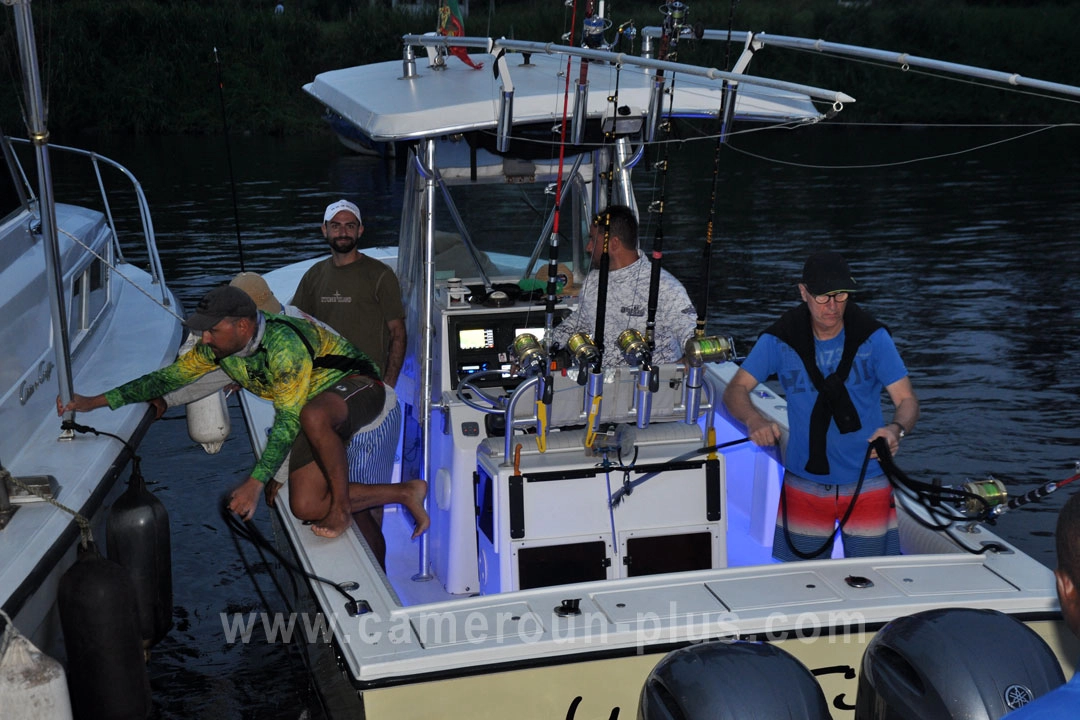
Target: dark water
point(970, 257)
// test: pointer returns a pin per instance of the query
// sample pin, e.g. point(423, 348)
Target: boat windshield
point(493, 216)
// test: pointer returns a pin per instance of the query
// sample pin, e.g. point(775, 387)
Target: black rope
point(248, 531)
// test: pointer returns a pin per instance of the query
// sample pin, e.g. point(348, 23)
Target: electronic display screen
point(476, 339)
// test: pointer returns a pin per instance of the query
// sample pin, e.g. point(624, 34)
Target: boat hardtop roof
point(388, 106)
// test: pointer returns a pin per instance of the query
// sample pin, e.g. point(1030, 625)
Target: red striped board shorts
point(814, 509)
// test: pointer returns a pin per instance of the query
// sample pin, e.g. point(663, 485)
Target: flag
point(451, 24)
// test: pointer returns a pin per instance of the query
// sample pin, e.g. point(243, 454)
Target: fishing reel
point(634, 348)
point(675, 26)
point(592, 33)
point(583, 350)
point(700, 350)
point(529, 354)
point(983, 498)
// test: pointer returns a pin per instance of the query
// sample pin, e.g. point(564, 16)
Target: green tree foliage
point(149, 66)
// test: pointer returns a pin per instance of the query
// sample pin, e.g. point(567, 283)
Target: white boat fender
point(206, 405)
point(137, 537)
point(32, 684)
point(731, 680)
point(208, 421)
point(100, 621)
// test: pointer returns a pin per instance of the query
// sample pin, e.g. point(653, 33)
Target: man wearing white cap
point(357, 295)
point(360, 297)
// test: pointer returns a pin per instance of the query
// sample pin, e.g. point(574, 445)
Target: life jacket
point(833, 403)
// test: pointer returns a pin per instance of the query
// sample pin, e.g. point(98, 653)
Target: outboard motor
point(737, 680)
point(954, 663)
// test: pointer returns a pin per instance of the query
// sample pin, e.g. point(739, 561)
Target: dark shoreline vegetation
point(147, 67)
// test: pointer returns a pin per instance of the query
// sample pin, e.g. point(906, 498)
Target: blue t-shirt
point(1062, 702)
point(877, 365)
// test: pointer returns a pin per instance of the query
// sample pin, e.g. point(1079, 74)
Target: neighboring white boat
point(75, 313)
point(531, 596)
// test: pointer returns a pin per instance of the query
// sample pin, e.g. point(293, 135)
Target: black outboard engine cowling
point(731, 681)
point(954, 663)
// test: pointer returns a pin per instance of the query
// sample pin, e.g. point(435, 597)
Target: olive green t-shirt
point(357, 300)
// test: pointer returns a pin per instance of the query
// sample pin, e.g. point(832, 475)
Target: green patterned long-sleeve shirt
point(279, 369)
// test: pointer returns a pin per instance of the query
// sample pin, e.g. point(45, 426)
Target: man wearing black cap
point(323, 390)
point(832, 360)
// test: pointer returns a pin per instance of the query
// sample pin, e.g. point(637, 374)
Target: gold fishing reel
point(700, 350)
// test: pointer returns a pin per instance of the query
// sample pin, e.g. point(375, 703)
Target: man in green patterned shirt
point(323, 390)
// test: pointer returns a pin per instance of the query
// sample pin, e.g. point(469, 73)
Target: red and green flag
point(451, 24)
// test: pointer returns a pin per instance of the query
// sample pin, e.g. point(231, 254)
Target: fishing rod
point(228, 158)
point(721, 138)
point(974, 501)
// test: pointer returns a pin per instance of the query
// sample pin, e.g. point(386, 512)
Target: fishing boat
point(84, 304)
point(600, 540)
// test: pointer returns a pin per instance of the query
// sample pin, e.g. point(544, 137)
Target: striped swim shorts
point(814, 509)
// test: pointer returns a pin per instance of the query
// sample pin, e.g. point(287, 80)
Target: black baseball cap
point(218, 304)
point(827, 272)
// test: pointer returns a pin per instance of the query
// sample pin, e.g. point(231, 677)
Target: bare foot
point(416, 491)
point(336, 522)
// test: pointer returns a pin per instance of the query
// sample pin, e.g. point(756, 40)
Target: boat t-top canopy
point(392, 101)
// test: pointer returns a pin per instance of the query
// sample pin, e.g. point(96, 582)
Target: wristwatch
point(903, 431)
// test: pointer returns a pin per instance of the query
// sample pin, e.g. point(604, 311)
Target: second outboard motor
point(731, 681)
point(954, 663)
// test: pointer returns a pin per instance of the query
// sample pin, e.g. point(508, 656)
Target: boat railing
point(570, 403)
point(757, 41)
point(493, 46)
point(146, 222)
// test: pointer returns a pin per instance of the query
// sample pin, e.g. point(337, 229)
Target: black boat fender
point(137, 537)
point(106, 670)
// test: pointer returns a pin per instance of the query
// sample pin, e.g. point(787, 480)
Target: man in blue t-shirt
point(1063, 702)
point(832, 360)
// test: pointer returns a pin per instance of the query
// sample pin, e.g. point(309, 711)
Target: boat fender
point(208, 421)
point(137, 538)
point(32, 684)
point(954, 663)
point(100, 622)
point(731, 680)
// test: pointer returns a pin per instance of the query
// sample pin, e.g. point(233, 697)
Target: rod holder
point(644, 397)
point(581, 112)
point(506, 121)
point(693, 393)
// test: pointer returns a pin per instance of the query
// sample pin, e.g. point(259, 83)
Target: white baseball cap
point(335, 207)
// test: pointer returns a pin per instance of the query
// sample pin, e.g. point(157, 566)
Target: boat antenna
point(228, 158)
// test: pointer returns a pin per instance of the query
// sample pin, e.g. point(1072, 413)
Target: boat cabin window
point(89, 293)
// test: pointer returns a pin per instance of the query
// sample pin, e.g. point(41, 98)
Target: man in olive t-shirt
point(356, 295)
point(360, 297)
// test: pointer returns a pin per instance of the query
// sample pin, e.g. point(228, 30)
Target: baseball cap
point(335, 207)
point(257, 289)
point(218, 304)
point(827, 272)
